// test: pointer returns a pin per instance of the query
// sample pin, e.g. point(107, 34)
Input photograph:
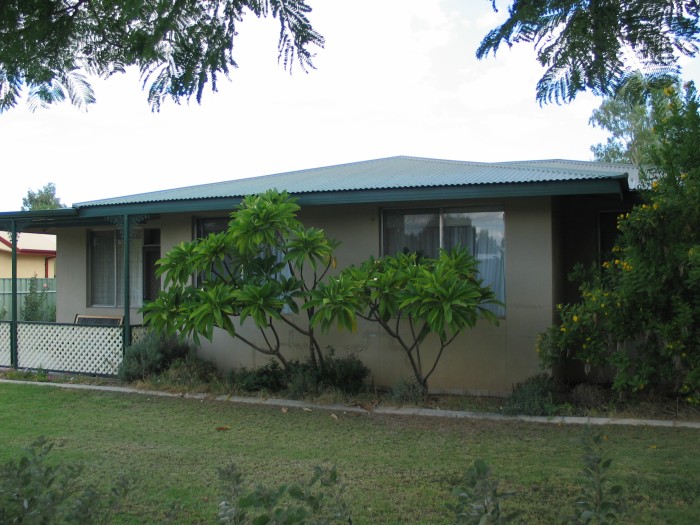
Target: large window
point(106, 255)
point(482, 232)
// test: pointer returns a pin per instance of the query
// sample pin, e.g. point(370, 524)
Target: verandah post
point(14, 361)
point(127, 292)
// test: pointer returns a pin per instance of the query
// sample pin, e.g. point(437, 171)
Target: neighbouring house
point(36, 255)
point(527, 222)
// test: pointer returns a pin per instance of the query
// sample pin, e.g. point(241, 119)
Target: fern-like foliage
point(179, 48)
point(597, 45)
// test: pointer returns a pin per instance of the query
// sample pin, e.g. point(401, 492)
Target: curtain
point(102, 270)
point(483, 234)
point(412, 232)
point(135, 269)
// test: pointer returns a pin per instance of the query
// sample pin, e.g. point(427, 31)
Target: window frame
point(442, 212)
point(135, 267)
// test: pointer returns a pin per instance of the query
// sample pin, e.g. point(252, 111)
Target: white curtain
point(483, 234)
point(107, 268)
point(135, 269)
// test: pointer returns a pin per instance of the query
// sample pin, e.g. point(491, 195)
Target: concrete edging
point(422, 412)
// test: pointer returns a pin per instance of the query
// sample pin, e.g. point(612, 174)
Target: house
point(36, 255)
point(527, 222)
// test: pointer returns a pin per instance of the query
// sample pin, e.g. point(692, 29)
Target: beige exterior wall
point(71, 266)
point(488, 360)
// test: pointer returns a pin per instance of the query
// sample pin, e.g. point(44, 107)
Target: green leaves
point(639, 312)
point(252, 270)
point(583, 44)
point(180, 48)
point(336, 302)
point(410, 297)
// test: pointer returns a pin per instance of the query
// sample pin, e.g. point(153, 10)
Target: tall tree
point(629, 118)
point(597, 44)
point(43, 199)
point(48, 46)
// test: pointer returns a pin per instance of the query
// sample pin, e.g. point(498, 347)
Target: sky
point(396, 77)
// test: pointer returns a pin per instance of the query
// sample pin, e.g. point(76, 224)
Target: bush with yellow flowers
point(639, 312)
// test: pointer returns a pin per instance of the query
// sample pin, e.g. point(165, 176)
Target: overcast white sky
point(397, 77)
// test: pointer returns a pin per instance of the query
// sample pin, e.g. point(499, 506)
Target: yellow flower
point(562, 329)
point(575, 318)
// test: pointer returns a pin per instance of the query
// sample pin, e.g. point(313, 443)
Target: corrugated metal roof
point(385, 174)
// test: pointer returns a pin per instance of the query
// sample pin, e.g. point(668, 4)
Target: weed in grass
point(479, 499)
point(599, 501)
point(39, 375)
point(320, 500)
point(33, 491)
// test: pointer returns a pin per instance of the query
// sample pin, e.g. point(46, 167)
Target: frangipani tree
point(263, 267)
point(412, 298)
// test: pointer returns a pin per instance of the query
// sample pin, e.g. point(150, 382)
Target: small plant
point(33, 491)
point(35, 307)
point(599, 502)
point(3, 312)
point(318, 501)
point(479, 500)
point(408, 392)
point(151, 355)
point(534, 397)
point(26, 374)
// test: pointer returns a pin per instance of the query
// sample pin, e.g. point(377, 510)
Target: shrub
point(191, 371)
point(408, 392)
point(35, 307)
point(151, 355)
point(32, 491)
point(270, 378)
point(588, 396)
point(304, 380)
point(533, 397)
point(347, 374)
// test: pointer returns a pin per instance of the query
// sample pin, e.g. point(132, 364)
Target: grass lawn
point(397, 469)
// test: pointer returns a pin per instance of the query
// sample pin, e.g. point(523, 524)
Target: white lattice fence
point(70, 348)
point(5, 344)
